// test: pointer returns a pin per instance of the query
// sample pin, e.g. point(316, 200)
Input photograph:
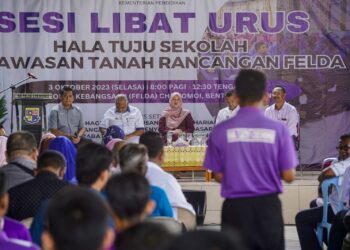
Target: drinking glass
point(200, 139)
point(189, 138)
point(183, 136)
point(169, 137)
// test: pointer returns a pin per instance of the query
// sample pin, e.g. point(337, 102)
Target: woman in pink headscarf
point(175, 118)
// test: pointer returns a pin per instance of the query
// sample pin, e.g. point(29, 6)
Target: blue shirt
point(163, 207)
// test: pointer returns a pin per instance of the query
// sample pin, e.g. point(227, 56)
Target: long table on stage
point(188, 158)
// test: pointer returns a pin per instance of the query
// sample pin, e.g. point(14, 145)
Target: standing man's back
point(249, 154)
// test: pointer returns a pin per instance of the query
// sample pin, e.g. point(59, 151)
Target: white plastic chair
point(173, 225)
point(27, 222)
point(187, 218)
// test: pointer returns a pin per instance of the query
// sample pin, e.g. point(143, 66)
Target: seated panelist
point(176, 119)
point(128, 118)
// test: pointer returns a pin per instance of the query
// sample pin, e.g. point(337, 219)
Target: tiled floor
point(290, 235)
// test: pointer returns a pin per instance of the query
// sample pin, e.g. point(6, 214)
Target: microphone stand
point(13, 87)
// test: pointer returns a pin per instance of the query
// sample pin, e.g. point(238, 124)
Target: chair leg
point(319, 234)
point(300, 165)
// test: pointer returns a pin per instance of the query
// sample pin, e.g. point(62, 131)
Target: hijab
point(113, 132)
point(174, 116)
point(111, 143)
point(66, 147)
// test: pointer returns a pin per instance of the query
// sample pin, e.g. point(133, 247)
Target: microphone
point(32, 76)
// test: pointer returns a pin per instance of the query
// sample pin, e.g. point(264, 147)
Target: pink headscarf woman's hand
point(178, 132)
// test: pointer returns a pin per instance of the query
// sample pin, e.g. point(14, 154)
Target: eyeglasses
point(343, 147)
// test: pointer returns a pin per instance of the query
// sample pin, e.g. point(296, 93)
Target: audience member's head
point(66, 147)
point(143, 236)
point(113, 132)
point(154, 144)
point(92, 165)
point(53, 161)
point(129, 197)
point(133, 158)
point(250, 87)
point(76, 219)
point(4, 199)
point(206, 240)
point(114, 146)
point(115, 141)
point(45, 141)
point(21, 143)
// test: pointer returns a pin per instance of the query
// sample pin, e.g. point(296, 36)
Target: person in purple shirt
point(13, 234)
point(249, 154)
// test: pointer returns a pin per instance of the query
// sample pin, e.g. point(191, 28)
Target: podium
point(31, 115)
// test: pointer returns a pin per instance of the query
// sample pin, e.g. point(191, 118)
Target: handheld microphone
point(32, 76)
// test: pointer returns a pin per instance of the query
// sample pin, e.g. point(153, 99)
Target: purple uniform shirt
point(251, 151)
point(15, 244)
point(16, 230)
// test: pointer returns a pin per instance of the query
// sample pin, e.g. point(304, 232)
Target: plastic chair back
point(27, 222)
point(186, 217)
point(173, 225)
point(324, 223)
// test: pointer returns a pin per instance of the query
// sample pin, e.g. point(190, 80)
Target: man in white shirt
point(230, 110)
point(283, 111)
point(125, 116)
point(157, 176)
point(306, 220)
